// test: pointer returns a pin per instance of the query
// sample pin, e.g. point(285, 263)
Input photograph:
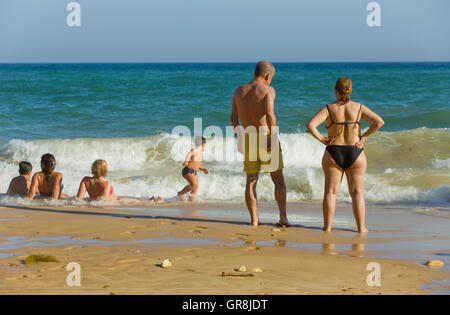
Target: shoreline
point(119, 250)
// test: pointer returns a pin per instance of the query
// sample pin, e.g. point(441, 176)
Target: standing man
point(253, 106)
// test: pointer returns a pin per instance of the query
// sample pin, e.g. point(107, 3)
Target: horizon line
point(219, 62)
point(214, 62)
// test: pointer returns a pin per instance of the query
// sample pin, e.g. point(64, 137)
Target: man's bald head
point(263, 68)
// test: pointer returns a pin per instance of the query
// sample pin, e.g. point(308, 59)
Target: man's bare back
point(251, 103)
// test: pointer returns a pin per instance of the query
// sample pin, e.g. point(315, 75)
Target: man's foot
point(284, 224)
point(191, 198)
point(254, 223)
point(181, 197)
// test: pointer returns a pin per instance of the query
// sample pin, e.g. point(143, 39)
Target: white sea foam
point(438, 164)
point(142, 167)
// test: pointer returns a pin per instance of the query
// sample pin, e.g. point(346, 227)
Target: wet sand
point(120, 249)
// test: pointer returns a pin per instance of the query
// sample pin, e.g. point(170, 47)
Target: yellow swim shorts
point(256, 160)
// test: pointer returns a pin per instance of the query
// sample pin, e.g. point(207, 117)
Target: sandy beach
point(120, 251)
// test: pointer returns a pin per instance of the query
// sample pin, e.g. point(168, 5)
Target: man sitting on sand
point(20, 185)
point(253, 106)
point(192, 165)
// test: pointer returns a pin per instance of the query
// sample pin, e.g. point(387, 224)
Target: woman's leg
point(333, 178)
point(355, 177)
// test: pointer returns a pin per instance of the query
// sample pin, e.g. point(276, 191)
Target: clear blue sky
point(223, 31)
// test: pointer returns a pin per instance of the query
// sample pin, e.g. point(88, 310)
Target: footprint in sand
point(139, 227)
point(51, 269)
point(193, 249)
point(250, 249)
point(127, 233)
point(72, 247)
point(25, 277)
point(195, 231)
point(127, 261)
point(120, 267)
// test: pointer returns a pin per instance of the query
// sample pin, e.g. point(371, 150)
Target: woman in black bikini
point(345, 150)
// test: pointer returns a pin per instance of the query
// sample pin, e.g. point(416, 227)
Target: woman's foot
point(157, 200)
point(363, 231)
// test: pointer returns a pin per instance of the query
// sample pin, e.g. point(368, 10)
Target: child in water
point(192, 165)
point(20, 185)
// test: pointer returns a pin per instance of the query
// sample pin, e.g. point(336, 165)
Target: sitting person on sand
point(48, 183)
point(192, 165)
point(20, 185)
point(100, 189)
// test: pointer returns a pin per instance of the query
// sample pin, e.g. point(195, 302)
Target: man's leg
point(251, 199)
point(280, 195)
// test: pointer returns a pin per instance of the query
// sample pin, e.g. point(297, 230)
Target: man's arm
point(234, 114)
point(269, 102)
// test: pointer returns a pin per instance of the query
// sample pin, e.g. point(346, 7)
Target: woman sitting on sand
point(100, 189)
point(344, 152)
point(48, 183)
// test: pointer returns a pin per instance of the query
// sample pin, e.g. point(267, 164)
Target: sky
point(224, 31)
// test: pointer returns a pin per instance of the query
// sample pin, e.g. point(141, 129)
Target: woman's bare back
point(46, 186)
point(344, 122)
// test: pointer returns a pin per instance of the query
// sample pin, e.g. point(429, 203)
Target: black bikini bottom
point(188, 170)
point(344, 155)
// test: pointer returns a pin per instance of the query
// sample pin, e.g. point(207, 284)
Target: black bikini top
point(344, 123)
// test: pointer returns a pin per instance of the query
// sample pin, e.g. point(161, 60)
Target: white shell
point(166, 263)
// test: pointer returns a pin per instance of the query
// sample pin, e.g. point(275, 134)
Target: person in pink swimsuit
point(100, 189)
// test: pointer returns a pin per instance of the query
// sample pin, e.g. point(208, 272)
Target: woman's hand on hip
point(360, 144)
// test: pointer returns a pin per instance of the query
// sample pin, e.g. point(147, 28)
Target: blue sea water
point(125, 113)
point(47, 101)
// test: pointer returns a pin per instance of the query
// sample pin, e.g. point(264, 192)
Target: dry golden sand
point(134, 268)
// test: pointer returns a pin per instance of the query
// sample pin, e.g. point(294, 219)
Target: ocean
point(125, 114)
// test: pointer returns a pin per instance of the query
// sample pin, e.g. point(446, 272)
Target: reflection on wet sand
point(356, 249)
